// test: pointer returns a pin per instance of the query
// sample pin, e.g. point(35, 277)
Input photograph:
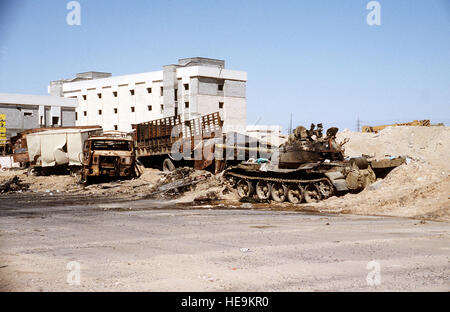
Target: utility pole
point(290, 125)
point(358, 125)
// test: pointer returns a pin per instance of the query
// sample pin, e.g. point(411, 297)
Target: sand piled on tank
point(425, 144)
point(419, 189)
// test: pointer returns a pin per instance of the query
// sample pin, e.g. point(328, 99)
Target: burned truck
point(53, 151)
point(110, 155)
point(309, 167)
point(157, 139)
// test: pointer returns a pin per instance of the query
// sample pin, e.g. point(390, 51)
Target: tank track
point(243, 176)
point(282, 189)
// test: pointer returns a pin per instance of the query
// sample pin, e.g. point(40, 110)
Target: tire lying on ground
point(168, 165)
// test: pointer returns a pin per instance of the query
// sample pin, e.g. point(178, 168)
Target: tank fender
point(359, 162)
point(338, 180)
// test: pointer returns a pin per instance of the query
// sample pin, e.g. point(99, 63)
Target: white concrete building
point(192, 88)
point(26, 111)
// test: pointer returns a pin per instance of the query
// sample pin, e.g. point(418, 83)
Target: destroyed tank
point(309, 167)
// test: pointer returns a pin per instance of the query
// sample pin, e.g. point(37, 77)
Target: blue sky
point(317, 59)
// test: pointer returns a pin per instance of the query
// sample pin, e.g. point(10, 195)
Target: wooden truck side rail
point(156, 137)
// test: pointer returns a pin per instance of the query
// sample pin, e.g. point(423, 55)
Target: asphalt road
point(151, 246)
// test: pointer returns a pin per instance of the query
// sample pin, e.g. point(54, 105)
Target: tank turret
point(305, 146)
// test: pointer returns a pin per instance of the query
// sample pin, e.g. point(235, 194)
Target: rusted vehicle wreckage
point(156, 141)
point(110, 155)
point(309, 167)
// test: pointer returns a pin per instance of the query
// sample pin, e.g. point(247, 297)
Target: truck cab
point(110, 155)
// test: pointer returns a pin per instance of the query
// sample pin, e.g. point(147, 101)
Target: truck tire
point(168, 165)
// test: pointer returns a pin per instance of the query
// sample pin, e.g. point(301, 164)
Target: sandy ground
point(144, 246)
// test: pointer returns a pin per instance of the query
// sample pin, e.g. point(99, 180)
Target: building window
point(186, 104)
point(85, 113)
point(132, 92)
point(132, 109)
point(99, 111)
point(42, 120)
point(149, 107)
point(186, 86)
point(84, 97)
point(162, 108)
point(162, 91)
point(220, 86)
point(149, 90)
point(220, 104)
point(175, 94)
point(76, 116)
point(115, 127)
point(27, 114)
point(55, 121)
point(115, 93)
point(99, 95)
point(115, 110)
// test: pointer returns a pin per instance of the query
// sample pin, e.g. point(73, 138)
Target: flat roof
point(30, 99)
point(63, 131)
point(149, 77)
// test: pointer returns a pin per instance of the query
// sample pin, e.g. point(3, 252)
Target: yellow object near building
point(2, 129)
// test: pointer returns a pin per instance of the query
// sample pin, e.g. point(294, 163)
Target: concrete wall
point(170, 85)
point(117, 111)
point(18, 119)
point(67, 117)
point(207, 98)
point(234, 88)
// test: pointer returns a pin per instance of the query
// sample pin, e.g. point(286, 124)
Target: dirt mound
point(418, 189)
point(428, 144)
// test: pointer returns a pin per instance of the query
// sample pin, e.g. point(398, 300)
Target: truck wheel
point(168, 165)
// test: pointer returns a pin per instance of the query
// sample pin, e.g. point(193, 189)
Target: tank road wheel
point(230, 180)
point(295, 193)
point(278, 192)
point(244, 188)
point(263, 189)
point(312, 194)
point(168, 165)
point(326, 189)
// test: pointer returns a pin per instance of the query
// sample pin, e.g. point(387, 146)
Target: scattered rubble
point(13, 185)
point(176, 182)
